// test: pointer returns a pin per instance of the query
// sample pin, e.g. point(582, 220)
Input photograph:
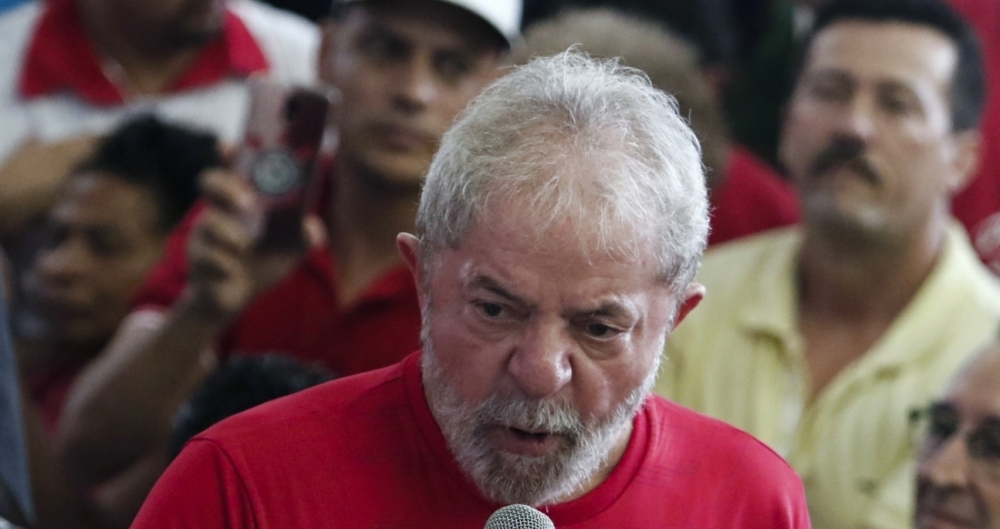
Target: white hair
point(579, 139)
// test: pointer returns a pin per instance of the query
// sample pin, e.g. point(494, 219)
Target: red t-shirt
point(364, 451)
point(301, 317)
point(753, 198)
point(978, 206)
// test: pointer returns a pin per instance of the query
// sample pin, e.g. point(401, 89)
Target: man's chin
point(393, 178)
point(509, 477)
point(196, 37)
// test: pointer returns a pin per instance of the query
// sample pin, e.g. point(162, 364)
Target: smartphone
point(286, 129)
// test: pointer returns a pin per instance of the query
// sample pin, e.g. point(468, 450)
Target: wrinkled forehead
point(574, 227)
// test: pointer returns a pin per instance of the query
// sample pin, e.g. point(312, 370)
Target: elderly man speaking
point(559, 230)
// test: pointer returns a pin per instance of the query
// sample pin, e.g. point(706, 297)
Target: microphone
point(519, 516)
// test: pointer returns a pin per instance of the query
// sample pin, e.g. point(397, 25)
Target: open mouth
point(527, 442)
point(525, 435)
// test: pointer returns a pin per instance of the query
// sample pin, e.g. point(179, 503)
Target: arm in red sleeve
point(165, 282)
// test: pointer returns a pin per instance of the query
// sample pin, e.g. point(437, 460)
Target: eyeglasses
point(936, 424)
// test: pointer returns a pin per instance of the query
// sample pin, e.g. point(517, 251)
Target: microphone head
point(519, 516)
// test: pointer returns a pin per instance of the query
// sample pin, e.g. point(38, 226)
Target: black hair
point(163, 158)
point(968, 86)
point(237, 385)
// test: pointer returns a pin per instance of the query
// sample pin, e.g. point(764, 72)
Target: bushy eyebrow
point(844, 77)
point(607, 309)
point(610, 309)
point(494, 286)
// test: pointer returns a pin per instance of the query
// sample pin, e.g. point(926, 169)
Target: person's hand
point(225, 273)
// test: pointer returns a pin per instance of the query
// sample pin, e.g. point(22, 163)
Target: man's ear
point(409, 249)
point(693, 295)
point(968, 148)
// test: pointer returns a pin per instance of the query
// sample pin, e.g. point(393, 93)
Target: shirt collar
point(60, 56)
point(774, 307)
point(956, 278)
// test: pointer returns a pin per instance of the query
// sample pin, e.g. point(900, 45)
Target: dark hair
point(968, 87)
point(163, 158)
point(239, 384)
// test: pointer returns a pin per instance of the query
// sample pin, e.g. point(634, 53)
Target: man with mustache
point(958, 447)
point(404, 69)
point(558, 233)
point(819, 339)
point(71, 70)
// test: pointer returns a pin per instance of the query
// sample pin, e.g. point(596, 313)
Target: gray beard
point(512, 478)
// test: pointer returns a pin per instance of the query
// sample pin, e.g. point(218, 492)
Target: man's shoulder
point(290, 42)
point(752, 249)
point(961, 278)
point(729, 468)
point(737, 268)
point(721, 445)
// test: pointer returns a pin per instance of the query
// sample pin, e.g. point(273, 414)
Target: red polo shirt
point(301, 316)
point(60, 56)
point(366, 452)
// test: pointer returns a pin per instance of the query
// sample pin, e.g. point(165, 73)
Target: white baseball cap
point(502, 15)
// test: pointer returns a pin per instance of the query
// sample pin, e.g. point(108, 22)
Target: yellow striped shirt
point(739, 357)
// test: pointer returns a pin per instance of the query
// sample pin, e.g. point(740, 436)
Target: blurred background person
point(958, 450)
point(106, 230)
point(746, 195)
point(405, 69)
point(819, 339)
point(762, 84)
point(71, 70)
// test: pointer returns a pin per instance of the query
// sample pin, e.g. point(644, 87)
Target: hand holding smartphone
point(285, 131)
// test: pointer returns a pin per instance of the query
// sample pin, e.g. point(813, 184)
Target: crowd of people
point(708, 264)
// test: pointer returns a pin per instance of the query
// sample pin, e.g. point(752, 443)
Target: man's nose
point(63, 262)
point(858, 120)
point(416, 86)
point(541, 362)
point(948, 465)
